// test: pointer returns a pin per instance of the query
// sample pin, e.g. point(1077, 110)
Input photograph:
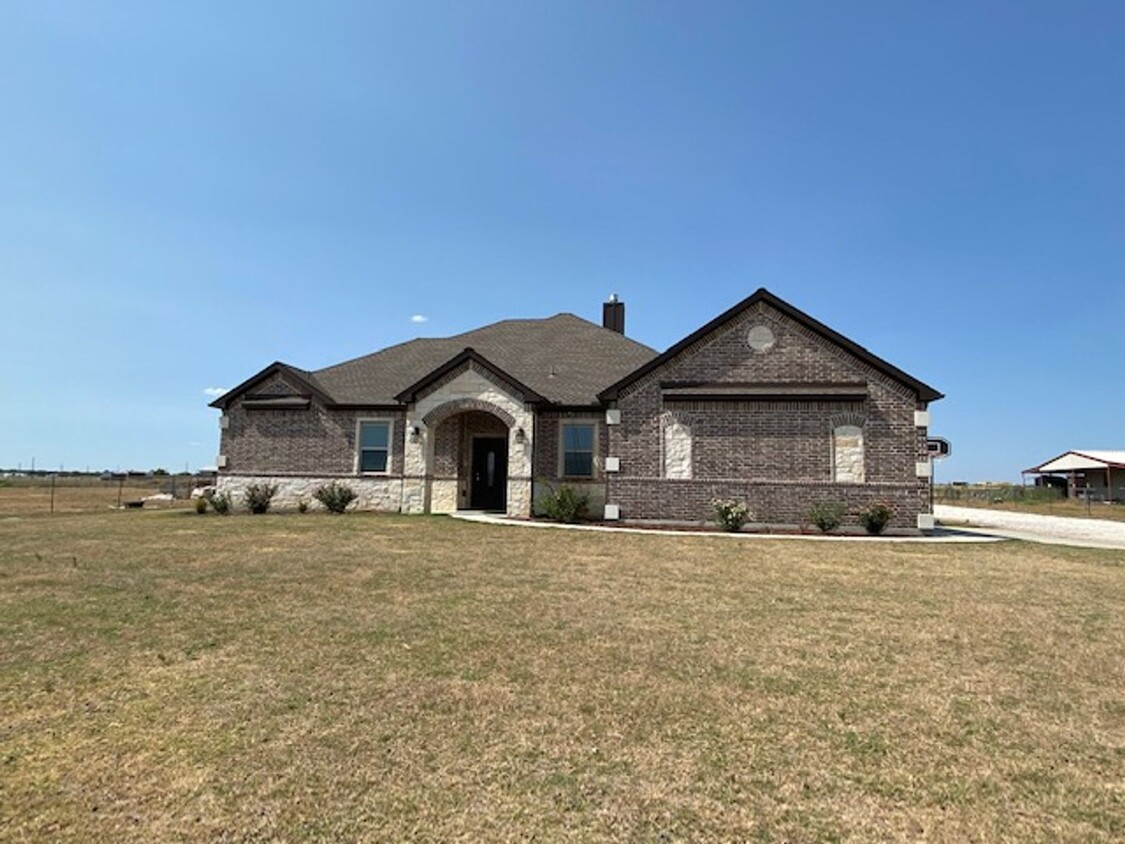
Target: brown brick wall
point(447, 439)
point(316, 441)
point(778, 452)
point(773, 503)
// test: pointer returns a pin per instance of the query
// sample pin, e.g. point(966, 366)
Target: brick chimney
point(613, 314)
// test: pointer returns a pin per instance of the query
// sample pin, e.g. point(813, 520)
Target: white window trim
point(390, 422)
point(593, 423)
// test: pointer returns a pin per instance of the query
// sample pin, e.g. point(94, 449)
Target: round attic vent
point(760, 338)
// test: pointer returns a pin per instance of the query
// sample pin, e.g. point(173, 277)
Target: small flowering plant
point(875, 518)
point(730, 514)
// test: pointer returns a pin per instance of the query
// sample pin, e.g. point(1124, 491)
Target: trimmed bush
point(565, 504)
point(302, 506)
point(258, 496)
point(220, 503)
point(335, 496)
point(827, 516)
point(201, 505)
point(731, 515)
point(875, 518)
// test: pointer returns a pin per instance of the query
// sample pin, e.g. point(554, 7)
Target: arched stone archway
point(430, 483)
point(468, 460)
point(452, 408)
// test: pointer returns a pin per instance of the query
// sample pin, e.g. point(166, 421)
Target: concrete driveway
point(1053, 530)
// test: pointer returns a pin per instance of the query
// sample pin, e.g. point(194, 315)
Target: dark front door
point(489, 490)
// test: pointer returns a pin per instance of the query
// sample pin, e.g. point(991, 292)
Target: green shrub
point(827, 516)
point(258, 496)
point(220, 503)
point(335, 496)
point(302, 506)
point(730, 514)
point(201, 505)
point(565, 504)
point(875, 518)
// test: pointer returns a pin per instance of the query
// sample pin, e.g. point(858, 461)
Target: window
point(578, 451)
point(374, 446)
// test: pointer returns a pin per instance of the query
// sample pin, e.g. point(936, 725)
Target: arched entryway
point(470, 451)
point(468, 445)
point(468, 456)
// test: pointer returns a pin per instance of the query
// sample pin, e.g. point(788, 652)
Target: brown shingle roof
point(564, 358)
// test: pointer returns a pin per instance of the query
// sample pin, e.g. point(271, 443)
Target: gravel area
point(1053, 530)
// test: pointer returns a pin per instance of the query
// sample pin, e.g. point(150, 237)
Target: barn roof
point(1082, 459)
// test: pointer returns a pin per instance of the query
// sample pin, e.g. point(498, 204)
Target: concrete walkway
point(1052, 530)
point(942, 535)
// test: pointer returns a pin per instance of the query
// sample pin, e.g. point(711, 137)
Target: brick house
point(763, 404)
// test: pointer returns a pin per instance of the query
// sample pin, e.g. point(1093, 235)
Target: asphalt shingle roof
point(564, 358)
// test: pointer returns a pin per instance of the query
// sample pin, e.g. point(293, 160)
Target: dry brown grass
point(74, 495)
point(166, 676)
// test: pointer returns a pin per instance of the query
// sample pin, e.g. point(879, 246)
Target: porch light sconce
point(415, 434)
point(521, 435)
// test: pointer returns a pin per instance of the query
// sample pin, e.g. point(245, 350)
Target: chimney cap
point(613, 314)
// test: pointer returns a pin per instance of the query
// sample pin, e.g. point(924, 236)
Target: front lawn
point(168, 676)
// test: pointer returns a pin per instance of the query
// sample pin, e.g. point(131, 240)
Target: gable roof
point(925, 392)
point(468, 355)
point(1082, 459)
point(562, 359)
point(299, 377)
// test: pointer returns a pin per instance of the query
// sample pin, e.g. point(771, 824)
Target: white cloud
point(214, 392)
point(419, 318)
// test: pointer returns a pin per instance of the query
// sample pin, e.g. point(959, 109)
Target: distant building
point(1098, 475)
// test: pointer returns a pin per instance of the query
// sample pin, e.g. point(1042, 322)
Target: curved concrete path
point(1053, 530)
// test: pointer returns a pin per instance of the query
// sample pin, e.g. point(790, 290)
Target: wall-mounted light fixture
point(521, 435)
point(415, 434)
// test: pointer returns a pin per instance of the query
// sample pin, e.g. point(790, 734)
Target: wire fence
point(22, 494)
point(997, 493)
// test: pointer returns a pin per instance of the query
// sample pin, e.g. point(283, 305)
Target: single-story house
point(1085, 473)
point(764, 404)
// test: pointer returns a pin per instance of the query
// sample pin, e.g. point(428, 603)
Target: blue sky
point(190, 191)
